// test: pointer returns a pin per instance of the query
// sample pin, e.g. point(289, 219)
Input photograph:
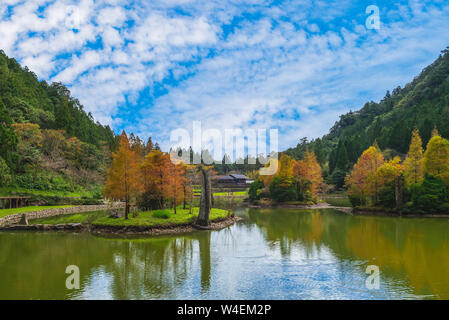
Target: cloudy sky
point(156, 65)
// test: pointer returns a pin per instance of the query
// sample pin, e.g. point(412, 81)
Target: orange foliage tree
point(123, 178)
point(310, 169)
point(362, 182)
point(154, 175)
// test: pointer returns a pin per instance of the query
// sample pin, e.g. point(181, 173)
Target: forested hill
point(423, 103)
point(48, 141)
point(49, 105)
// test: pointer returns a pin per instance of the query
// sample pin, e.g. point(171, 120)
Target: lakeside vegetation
point(151, 218)
point(298, 181)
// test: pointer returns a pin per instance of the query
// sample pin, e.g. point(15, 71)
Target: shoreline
point(321, 205)
point(155, 230)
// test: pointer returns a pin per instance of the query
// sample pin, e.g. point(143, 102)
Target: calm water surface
point(271, 254)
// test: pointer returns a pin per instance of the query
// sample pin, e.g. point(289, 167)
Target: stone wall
point(15, 218)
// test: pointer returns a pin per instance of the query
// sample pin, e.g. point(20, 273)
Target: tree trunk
point(127, 209)
point(185, 200)
point(206, 199)
point(399, 192)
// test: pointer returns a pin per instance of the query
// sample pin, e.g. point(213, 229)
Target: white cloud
point(296, 65)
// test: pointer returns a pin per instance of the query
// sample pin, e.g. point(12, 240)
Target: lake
point(270, 254)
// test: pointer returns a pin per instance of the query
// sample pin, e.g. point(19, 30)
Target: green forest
point(422, 104)
point(50, 147)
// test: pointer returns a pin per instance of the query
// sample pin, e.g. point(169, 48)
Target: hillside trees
point(426, 177)
point(7, 137)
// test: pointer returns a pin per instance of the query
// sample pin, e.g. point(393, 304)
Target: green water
point(271, 254)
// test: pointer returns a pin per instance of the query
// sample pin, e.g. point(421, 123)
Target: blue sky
point(154, 66)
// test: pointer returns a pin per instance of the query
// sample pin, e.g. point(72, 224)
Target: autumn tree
point(123, 177)
point(310, 169)
point(389, 177)
point(362, 181)
point(436, 158)
point(153, 178)
point(413, 164)
point(285, 173)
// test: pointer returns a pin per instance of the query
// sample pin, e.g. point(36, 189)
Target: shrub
point(281, 193)
point(355, 200)
point(254, 190)
point(161, 215)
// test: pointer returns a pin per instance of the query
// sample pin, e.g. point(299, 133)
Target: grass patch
point(7, 212)
point(157, 217)
point(161, 215)
point(236, 193)
point(147, 218)
point(337, 201)
point(84, 218)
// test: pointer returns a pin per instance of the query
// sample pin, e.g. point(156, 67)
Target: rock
point(115, 213)
point(23, 220)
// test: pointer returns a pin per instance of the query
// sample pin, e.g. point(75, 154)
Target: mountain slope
point(57, 145)
point(423, 103)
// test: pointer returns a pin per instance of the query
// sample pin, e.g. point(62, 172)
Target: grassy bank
point(236, 193)
point(143, 219)
point(7, 212)
point(337, 200)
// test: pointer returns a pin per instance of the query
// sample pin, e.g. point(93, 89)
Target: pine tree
point(413, 164)
point(342, 156)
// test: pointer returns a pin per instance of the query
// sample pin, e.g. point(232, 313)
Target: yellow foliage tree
point(285, 172)
point(363, 181)
point(436, 158)
point(413, 164)
point(388, 172)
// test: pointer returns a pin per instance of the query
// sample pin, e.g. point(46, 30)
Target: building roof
point(238, 176)
point(225, 178)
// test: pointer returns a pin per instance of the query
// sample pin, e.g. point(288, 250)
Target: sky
point(151, 67)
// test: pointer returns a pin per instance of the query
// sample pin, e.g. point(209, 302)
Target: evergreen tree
point(342, 157)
